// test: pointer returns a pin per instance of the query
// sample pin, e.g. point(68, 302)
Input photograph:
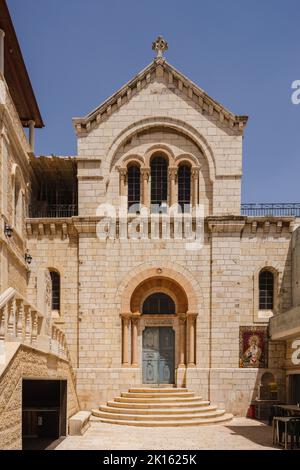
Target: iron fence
point(272, 209)
point(52, 210)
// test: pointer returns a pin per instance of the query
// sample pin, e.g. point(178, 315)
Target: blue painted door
point(158, 355)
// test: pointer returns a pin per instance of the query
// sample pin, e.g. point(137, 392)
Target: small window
point(159, 181)
point(266, 290)
point(184, 187)
point(55, 280)
point(158, 303)
point(134, 186)
point(18, 206)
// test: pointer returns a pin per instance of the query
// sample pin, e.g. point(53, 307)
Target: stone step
point(156, 399)
point(158, 412)
point(157, 395)
point(150, 417)
point(226, 417)
point(157, 389)
point(153, 406)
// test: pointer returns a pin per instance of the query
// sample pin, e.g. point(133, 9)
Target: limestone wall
point(58, 252)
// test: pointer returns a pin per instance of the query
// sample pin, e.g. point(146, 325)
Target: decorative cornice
point(50, 228)
point(156, 70)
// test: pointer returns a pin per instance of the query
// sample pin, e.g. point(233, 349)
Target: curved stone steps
point(156, 400)
point(145, 406)
point(160, 407)
point(158, 390)
point(226, 417)
point(157, 395)
point(157, 412)
point(165, 417)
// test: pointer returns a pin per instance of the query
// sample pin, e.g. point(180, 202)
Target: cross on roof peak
point(160, 46)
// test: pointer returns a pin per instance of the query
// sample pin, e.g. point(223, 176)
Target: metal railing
point(272, 209)
point(52, 210)
point(251, 210)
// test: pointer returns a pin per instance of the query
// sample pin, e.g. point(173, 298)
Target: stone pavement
point(240, 433)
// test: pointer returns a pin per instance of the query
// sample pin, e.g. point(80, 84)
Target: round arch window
point(158, 303)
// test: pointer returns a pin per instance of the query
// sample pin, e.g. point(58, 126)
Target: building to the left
point(35, 371)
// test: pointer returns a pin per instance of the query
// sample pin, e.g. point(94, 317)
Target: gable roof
point(159, 68)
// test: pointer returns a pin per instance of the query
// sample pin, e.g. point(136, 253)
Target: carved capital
point(195, 172)
point(122, 173)
point(145, 173)
point(173, 171)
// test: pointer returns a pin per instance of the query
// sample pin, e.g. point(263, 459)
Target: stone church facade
point(139, 301)
point(161, 113)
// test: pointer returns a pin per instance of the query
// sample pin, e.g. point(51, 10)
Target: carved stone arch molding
point(162, 122)
point(175, 273)
point(129, 159)
point(187, 158)
point(159, 149)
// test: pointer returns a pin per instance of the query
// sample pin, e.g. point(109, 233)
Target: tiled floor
point(240, 433)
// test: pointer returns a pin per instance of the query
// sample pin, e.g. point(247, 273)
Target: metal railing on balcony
point(252, 210)
point(52, 210)
point(272, 209)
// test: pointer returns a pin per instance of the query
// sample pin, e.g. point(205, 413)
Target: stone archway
point(183, 322)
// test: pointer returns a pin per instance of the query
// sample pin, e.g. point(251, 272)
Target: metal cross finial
point(160, 46)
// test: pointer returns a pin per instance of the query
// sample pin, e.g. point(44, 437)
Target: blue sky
point(245, 54)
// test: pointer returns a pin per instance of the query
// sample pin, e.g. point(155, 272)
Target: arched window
point(18, 205)
point(184, 187)
point(159, 303)
point(18, 201)
point(266, 290)
point(159, 181)
point(268, 389)
point(134, 185)
point(55, 281)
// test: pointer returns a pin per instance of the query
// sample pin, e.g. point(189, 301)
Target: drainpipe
point(31, 135)
point(2, 34)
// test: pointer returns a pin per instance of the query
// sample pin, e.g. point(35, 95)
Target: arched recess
point(162, 122)
point(183, 293)
point(178, 276)
point(159, 284)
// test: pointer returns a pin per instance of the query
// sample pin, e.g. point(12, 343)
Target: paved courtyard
point(240, 433)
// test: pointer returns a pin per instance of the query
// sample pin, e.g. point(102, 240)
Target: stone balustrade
point(22, 322)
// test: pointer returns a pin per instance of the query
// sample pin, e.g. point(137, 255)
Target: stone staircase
point(155, 407)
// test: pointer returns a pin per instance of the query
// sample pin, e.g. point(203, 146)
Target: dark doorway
point(294, 386)
point(44, 419)
point(158, 355)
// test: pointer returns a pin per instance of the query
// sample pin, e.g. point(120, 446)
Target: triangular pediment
point(159, 70)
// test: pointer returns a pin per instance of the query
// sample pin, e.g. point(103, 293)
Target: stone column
point(31, 135)
point(123, 175)
point(145, 175)
point(2, 34)
point(195, 186)
point(191, 318)
point(134, 341)
point(125, 336)
point(173, 186)
point(182, 340)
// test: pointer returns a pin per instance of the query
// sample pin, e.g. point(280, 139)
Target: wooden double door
point(158, 355)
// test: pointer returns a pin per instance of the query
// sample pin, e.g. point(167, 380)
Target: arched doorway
point(159, 326)
point(158, 343)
